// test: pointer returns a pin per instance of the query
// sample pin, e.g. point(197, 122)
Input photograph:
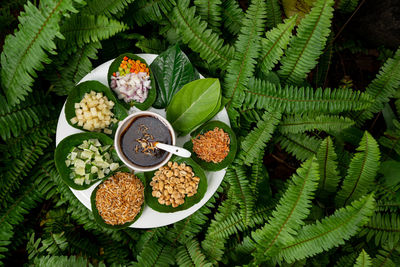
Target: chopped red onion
point(131, 86)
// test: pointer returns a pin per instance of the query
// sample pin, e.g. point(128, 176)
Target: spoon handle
point(180, 151)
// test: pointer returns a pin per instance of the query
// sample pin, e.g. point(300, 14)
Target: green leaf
point(330, 232)
point(384, 228)
point(293, 207)
point(64, 148)
point(106, 7)
point(146, 11)
point(210, 11)
point(172, 70)
point(390, 170)
point(291, 99)
point(232, 16)
point(237, 178)
point(190, 254)
point(301, 146)
point(327, 161)
point(211, 166)
point(200, 39)
point(347, 6)
point(83, 29)
point(152, 93)
point(25, 52)
point(152, 202)
point(100, 219)
point(258, 138)
point(307, 122)
point(364, 260)
point(157, 255)
point(362, 171)
point(274, 43)
point(309, 43)
point(274, 14)
point(77, 94)
point(247, 48)
point(193, 103)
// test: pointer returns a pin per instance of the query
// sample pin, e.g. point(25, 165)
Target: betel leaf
point(152, 202)
point(77, 94)
point(172, 70)
point(100, 220)
point(193, 104)
point(211, 166)
point(152, 93)
point(66, 145)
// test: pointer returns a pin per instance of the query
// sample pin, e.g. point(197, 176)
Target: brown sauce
point(137, 139)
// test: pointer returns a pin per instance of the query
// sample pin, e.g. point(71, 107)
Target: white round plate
point(149, 218)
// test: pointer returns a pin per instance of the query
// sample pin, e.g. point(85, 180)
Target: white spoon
point(176, 150)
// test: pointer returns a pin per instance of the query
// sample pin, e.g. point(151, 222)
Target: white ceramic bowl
point(122, 126)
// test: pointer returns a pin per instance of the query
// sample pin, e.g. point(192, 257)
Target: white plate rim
point(149, 218)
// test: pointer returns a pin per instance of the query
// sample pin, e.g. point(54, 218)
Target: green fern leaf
point(347, 6)
point(293, 207)
point(274, 43)
point(247, 48)
point(388, 256)
point(151, 46)
point(152, 235)
point(51, 260)
point(190, 254)
point(290, 99)
point(16, 119)
point(327, 160)
point(308, 122)
point(194, 32)
point(25, 52)
point(258, 172)
point(383, 227)
point(330, 232)
point(391, 138)
point(232, 16)
point(308, 45)
point(83, 29)
point(346, 260)
point(75, 64)
point(382, 87)
point(258, 138)
point(156, 255)
point(364, 260)
point(274, 14)
point(237, 178)
point(362, 171)
point(210, 11)
point(146, 11)
point(299, 145)
point(106, 7)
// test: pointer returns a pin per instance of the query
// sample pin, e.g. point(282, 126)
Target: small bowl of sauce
point(135, 141)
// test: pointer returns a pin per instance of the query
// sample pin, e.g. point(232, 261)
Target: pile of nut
point(172, 182)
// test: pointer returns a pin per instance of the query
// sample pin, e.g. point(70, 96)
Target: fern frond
point(362, 171)
point(258, 138)
point(258, 172)
point(156, 255)
point(190, 254)
point(247, 48)
point(330, 232)
point(364, 260)
point(291, 99)
point(391, 138)
point(25, 52)
point(83, 29)
point(307, 122)
point(152, 235)
point(347, 6)
point(237, 178)
point(306, 47)
point(274, 14)
point(152, 45)
point(327, 161)
point(146, 11)
point(324, 64)
point(383, 227)
point(274, 43)
point(194, 32)
point(106, 7)
point(388, 256)
point(232, 16)
point(293, 207)
point(210, 11)
point(16, 119)
point(50, 261)
point(78, 63)
point(346, 260)
point(382, 87)
point(301, 146)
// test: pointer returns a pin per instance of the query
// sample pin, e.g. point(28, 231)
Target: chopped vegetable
point(212, 145)
point(90, 161)
point(132, 81)
point(93, 113)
